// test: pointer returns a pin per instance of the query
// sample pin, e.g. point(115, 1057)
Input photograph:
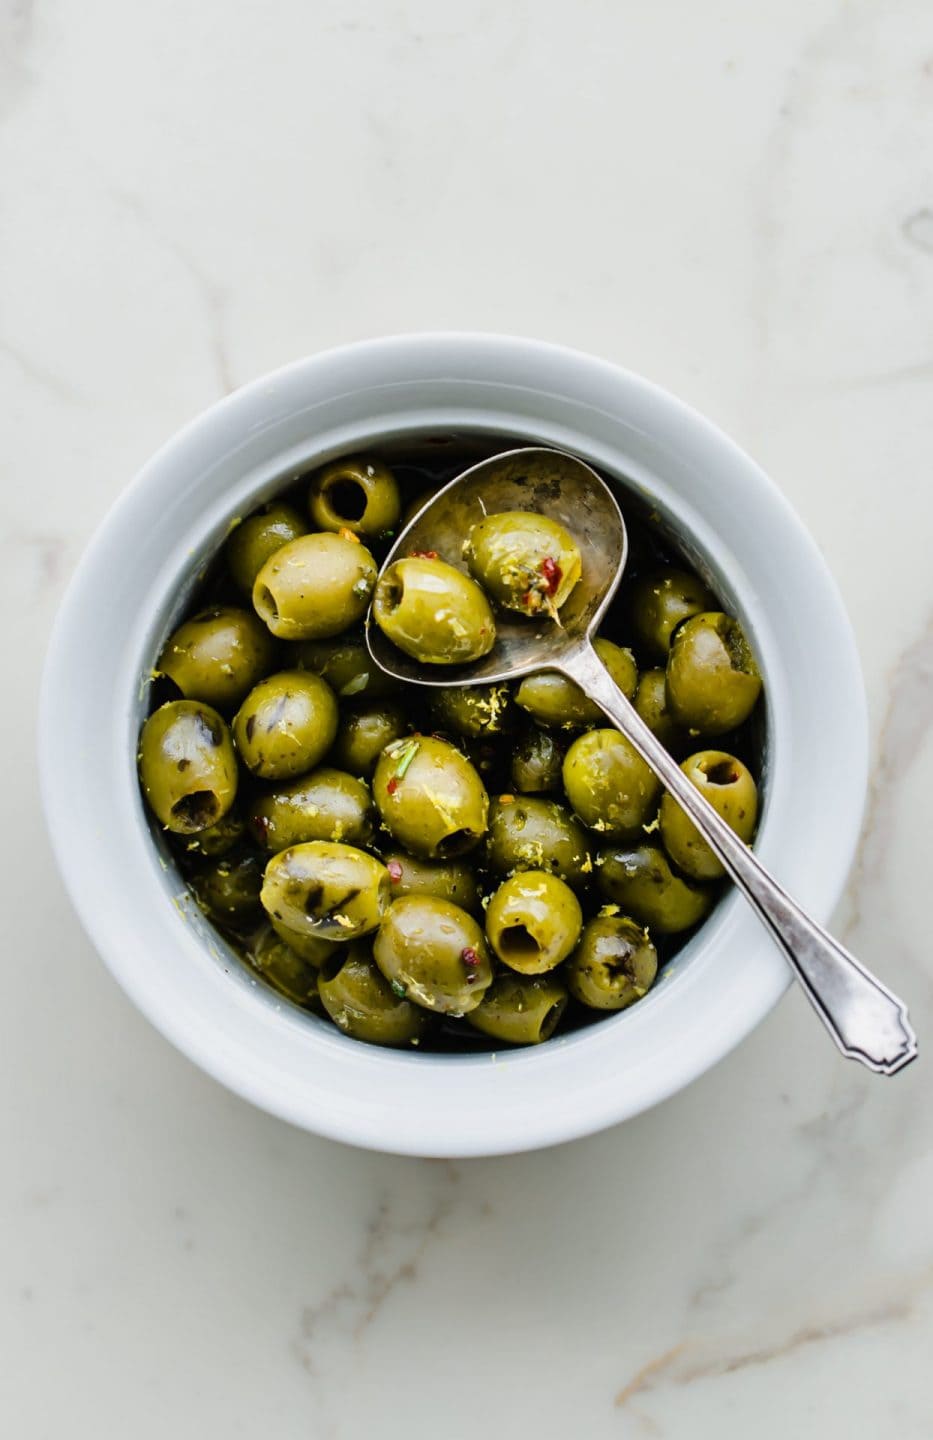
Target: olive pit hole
point(517, 940)
point(721, 772)
point(455, 843)
point(393, 588)
point(347, 499)
point(198, 810)
point(550, 1018)
point(265, 603)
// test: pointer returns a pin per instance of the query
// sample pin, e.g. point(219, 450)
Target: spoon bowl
point(550, 483)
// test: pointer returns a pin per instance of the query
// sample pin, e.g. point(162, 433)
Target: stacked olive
point(472, 868)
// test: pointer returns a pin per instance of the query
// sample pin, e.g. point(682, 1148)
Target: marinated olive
point(430, 797)
point(473, 710)
point(187, 766)
point(217, 839)
point(608, 784)
point(614, 964)
point(326, 890)
point(527, 833)
point(533, 921)
point(536, 763)
point(286, 724)
point(525, 561)
point(452, 880)
point(729, 787)
point(362, 1003)
point(640, 880)
point(365, 730)
point(255, 539)
point(520, 1009)
point(346, 665)
point(218, 656)
point(660, 600)
point(283, 968)
point(712, 679)
point(313, 948)
point(433, 612)
point(434, 953)
point(651, 704)
point(315, 586)
point(228, 889)
point(327, 804)
point(554, 700)
point(356, 494)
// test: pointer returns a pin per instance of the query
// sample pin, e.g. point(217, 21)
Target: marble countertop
point(736, 201)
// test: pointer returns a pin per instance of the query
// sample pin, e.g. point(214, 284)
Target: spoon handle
point(867, 1021)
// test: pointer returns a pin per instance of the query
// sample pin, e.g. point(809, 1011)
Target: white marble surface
point(736, 200)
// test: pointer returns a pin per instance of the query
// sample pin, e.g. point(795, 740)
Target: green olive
point(660, 600)
point(346, 665)
point(640, 880)
point(434, 953)
point(453, 880)
point(315, 586)
point(312, 948)
point(258, 537)
point(608, 784)
point(363, 1004)
point(651, 704)
point(365, 730)
point(285, 725)
point(326, 890)
point(472, 710)
point(433, 612)
point(536, 762)
point(614, 964)
point(218, 656)
point(730, 788)
point(356, 494)
point(217, 839)
point(712, 679)
point(533, 921)
point(525, 561)
point(327, 804)
point(528, 833)
point(228, 889)
point(284, 969)
point(187, 766)
point(554, 700)
point(520, 1009)
point(430, 797)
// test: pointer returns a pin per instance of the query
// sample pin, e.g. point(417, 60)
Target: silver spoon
point(867, 1021)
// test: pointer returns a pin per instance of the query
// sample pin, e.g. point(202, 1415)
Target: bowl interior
point(725, 517)
point(447, 452)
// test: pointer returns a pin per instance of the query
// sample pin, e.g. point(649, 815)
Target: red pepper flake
point(392, 785)
point(423, 555)
point(552, 574)
point(469, 957)
point(395, 871)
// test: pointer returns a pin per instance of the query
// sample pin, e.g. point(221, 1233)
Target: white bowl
point(132, 584)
